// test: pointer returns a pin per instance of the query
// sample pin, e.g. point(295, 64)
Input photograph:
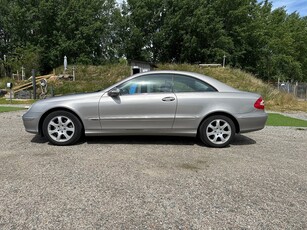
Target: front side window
point(153, 83)
point(190, 84)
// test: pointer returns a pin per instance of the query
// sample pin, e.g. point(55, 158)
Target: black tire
point(217, 131)
point(62, 128)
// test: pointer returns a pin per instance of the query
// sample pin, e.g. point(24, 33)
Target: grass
point(91, 78)
point(275, 119)
point(5, 101)
point(9, 109)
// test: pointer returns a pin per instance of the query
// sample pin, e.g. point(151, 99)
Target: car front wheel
point(62, 128)
point(217, 131)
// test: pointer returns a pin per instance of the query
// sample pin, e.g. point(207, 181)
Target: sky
point(292, 5)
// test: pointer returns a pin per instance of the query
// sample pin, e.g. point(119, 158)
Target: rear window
point(190, 84)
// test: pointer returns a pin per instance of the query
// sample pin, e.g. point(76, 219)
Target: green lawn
point(9, 109)
point(4, 101)
point(281, 120)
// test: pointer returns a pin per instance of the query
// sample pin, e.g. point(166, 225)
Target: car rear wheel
point(62, 128)
point(217, 131)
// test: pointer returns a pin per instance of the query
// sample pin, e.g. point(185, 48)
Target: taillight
point(259, 104)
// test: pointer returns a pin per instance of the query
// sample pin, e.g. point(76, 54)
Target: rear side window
point(190, 84)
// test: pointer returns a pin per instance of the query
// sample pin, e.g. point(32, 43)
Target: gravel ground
point(259, 182)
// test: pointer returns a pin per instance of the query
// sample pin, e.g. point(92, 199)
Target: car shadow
point(160, 140)
point(127, 140)
point(39, 139)
point(243, 140)
point(147, 140)
point(43, 140)
point(144, 140)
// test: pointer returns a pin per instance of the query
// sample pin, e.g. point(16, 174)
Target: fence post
point(73, 73)
point(34, 84)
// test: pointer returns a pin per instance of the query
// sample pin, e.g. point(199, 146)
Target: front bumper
point(31, 122)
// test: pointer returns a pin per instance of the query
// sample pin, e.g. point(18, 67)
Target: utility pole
point(22, 73)
point(4, 61)
point(65, 64)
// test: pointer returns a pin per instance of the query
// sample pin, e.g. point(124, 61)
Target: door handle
point(168, 99)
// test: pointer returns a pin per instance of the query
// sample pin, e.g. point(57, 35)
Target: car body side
point(186, 121)
point(189, 110)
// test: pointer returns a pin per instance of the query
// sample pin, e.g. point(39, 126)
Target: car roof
point(220, 86)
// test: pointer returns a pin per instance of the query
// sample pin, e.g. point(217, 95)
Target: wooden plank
point(26, 87)
point(210, 65)
point(29, 84)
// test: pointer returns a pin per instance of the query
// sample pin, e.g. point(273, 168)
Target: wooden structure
point(210, 65)
point(141, 66)
point(29, 84)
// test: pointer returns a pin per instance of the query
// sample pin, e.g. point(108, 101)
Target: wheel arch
point(41, 121)
point(236, 123)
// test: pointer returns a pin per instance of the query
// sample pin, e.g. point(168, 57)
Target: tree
point(79, 29)
point(269, 43)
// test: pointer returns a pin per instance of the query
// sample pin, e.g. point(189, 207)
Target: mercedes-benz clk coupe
point(172, 103)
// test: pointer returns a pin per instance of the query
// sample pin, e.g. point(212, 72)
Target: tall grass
point(90, 78)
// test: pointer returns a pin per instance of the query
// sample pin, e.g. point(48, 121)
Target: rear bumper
point(252, 122)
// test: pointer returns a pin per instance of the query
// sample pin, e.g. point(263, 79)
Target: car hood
point(70, 97)
point(65, 101)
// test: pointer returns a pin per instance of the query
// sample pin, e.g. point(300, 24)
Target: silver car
point(153, 103)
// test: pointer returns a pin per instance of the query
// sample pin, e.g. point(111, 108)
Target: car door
point(146, 102)
point(194, 97)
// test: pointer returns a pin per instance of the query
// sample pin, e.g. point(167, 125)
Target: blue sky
point(292, 5)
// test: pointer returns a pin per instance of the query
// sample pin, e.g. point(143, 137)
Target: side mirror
point(114, 92)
